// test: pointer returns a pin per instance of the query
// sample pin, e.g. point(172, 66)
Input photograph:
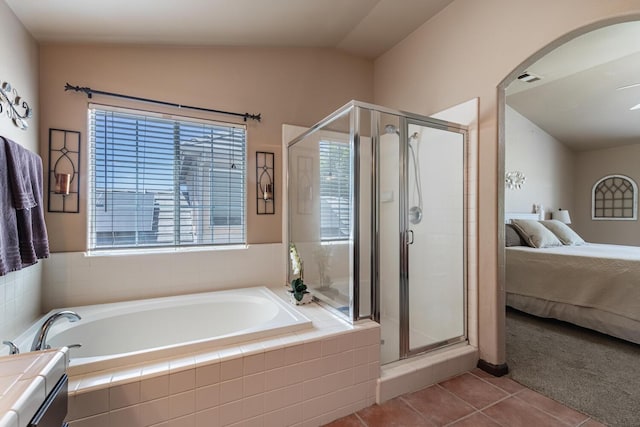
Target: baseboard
point(495, 370)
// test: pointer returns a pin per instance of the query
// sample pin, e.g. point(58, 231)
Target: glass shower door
point(421, 232)
point(434, 291)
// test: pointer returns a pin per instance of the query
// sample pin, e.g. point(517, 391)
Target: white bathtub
point(119, 334)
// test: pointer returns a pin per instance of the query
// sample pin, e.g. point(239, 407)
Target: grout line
point(587, 420)
point(548, 413)
point(414, 409)
point(360, 419)
point(465, 417)
point(483, 408)
point(457, 397)
point(493, 385)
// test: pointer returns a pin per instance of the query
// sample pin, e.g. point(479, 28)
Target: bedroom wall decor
point(64, 171)
point(614, 197)
point(11, 102)
point(514, 180)
point(265, 191)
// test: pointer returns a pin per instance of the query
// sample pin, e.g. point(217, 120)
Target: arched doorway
point(507, 205)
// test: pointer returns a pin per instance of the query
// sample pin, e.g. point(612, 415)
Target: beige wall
point(546, 163)
point(466, 51)
point(20, 290)
point(591, 166)
point(298, 86)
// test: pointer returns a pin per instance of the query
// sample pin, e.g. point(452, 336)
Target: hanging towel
point(9, 246)
point(18, 163)
point(23, 175)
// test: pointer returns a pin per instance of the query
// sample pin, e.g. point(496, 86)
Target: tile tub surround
point(308, 377)
point(25, 382)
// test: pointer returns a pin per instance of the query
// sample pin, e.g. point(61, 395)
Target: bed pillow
point(563, 232)
point(535, 234)
point(511, 237)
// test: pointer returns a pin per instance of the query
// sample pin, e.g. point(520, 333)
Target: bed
point(596, 286)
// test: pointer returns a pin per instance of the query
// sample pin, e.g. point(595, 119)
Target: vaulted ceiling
point(363, 27)
point(576, 100)
point(579, 99)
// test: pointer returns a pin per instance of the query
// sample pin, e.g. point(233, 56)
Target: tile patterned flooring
point(473, 399)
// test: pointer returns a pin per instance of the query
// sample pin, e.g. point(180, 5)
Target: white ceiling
point(577, 100)
point(363, 27)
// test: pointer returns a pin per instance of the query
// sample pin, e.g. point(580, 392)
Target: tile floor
point(473, 399)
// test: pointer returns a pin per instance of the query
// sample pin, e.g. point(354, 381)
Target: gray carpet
point(591, 372)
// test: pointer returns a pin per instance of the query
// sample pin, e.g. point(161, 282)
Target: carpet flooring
point(591, 372)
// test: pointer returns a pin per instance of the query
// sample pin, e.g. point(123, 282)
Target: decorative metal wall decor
point(614, 198)
point(64, 171)
point(265, 179)
point(10, 103)
point(514, 180)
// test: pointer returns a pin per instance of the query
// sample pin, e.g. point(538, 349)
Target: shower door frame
point(405, 119)
point(355, 252)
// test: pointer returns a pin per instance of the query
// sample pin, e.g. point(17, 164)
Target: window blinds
point(335, 190)
point(158, 181)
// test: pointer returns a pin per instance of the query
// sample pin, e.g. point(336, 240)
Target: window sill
point(334, 242)
point(154, 251)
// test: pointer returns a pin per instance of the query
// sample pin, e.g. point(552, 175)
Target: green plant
point(298, 288)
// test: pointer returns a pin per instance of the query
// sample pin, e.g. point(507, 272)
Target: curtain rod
point(90, 92)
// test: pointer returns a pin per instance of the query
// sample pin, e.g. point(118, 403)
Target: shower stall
point(376, 211)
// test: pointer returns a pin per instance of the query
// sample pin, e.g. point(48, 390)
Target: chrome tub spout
point(39, 341)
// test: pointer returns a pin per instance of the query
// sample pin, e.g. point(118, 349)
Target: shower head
point(415, 212)
point(389, 129)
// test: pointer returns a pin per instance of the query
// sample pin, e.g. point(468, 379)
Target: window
point(335, 190)
point(160, 181)
point(614, 197)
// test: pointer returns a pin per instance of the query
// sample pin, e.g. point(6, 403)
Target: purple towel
point(9, 246)
point(23, 233)
point(18, 163)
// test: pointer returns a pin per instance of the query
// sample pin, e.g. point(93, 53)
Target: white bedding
point(600, 281)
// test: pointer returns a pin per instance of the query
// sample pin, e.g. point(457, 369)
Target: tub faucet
point(13, 349)
point(39, 341)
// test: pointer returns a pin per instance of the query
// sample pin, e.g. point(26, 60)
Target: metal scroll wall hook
point(11, 101)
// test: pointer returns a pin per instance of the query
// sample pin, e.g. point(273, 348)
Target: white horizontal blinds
point(335, 190)
point(164, 182)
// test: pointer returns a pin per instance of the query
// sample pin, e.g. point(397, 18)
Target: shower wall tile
point(20, 293)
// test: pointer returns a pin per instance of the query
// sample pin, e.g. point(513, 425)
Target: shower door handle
point(408, 239)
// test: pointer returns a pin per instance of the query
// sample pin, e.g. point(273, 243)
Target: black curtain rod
point(90, 93)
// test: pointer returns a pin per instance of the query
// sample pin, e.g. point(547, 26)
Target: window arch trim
point(634, 206)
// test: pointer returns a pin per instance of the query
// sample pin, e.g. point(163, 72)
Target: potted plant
point(298, 292)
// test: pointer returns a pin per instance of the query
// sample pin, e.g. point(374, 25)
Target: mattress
point(601, 281)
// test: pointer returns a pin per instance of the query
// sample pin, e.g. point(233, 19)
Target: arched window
point(614, 197)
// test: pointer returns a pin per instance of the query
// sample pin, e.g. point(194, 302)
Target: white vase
point(306, 299)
